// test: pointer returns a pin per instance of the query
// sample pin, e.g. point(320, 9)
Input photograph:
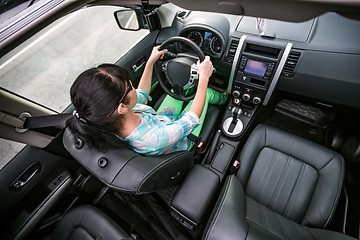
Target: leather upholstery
point(238, 217)
point(128, 171)
point(294, 177)
point(196, 193)
point(131, 172)
point(284, 184)
point(87, 223)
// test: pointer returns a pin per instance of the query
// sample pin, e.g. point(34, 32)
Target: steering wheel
point(180, 72)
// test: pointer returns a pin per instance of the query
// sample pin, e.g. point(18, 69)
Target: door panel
point(21, 207)
point(134, 56)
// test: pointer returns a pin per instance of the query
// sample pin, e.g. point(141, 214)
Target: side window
point(43, 68)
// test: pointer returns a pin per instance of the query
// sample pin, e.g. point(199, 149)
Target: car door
point(39, 180)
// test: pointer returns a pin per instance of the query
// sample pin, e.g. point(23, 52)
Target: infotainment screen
point(256, 67)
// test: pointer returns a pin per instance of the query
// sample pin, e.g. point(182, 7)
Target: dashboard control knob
point(256, 100)
point(246, 97)
point(237, 101)
point(236, 93)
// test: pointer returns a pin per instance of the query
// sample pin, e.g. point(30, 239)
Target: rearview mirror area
point(129, 19)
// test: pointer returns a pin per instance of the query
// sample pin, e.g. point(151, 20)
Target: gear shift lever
point(236, 111)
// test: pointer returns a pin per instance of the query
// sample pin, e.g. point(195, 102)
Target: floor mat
point(303, 120)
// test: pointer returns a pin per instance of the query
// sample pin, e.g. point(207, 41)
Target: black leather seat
point(123, 169)
point(286, 188)
point(87, 222)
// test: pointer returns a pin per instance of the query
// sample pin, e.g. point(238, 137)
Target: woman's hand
point(145, 81)
point(156, 54)
point(205, 69)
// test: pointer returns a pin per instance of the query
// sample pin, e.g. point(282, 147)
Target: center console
point(255, 71)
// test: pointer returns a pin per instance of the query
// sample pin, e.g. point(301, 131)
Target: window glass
point(8, 150)
point(43, 68)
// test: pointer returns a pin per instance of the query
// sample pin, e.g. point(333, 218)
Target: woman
point(108, 108)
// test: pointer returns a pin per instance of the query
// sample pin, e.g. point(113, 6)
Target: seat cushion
point(297, 178)
point(87, 223)
point(237, 216)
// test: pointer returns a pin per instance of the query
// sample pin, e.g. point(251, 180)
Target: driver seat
point(122, 169)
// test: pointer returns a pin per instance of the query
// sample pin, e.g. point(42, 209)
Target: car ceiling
point(286, 10)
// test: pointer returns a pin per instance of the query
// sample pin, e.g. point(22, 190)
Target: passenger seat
point(287, 187)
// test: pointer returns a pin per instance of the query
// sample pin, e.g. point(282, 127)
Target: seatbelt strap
point(198, 144)
point(46, 121)
point(195, 140)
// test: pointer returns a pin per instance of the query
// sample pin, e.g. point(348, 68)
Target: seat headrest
point(124, 170)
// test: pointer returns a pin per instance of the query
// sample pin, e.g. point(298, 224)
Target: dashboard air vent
point(181, 15)
point(290, 64)
point(232, 50)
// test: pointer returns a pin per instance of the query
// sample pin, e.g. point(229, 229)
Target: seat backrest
point(124, 170)
point(292, 176)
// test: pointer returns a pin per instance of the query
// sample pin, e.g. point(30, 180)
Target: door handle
point(139, 64)
point(26, 177)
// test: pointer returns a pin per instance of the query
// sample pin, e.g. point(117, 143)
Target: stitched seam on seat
point(266, 229)
point(280, 182)
point(282, 226)
point(266, 177)
point(295, 190)
point(297, 229)
point(311, 234)
point(263, 216)
point(330, 160)
point(217, 213)
point(338, 193)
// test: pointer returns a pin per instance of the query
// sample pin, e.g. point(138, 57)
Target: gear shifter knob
point(236, 112)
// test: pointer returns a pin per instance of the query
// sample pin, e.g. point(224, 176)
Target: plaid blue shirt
point(162, 132)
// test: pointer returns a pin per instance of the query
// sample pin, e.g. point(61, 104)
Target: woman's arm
point(145, 81)
point(205, 70)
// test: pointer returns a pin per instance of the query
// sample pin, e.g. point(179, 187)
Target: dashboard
point(322, 65)
point(208, 41)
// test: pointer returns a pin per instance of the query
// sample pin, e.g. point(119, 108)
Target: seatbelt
point(195, 140)
point(26, 121)
point(198, 144)
point(46, 121)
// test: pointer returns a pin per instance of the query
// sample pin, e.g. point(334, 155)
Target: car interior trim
point(43, 209)
point(235, 63)
point(277, 73)
point(22, 18)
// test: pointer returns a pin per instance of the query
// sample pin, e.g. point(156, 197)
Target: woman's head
point(96, 95)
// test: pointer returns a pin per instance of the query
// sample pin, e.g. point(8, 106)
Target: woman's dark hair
point(94, 94)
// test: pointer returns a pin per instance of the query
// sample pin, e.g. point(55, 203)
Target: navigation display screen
point(256, 67)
